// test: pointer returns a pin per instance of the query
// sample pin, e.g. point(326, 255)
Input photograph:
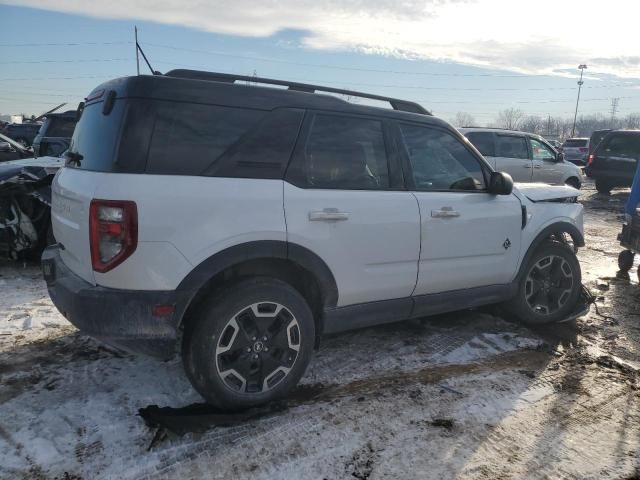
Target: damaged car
point(25, 206)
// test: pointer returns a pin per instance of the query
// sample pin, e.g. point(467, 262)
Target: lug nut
point(266, 349)
point(249, 349)
point(264, 339)
point(253, 339)
point(255, 357)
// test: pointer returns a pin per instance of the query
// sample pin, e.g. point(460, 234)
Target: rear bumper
point(611, 176)
point(120, 317)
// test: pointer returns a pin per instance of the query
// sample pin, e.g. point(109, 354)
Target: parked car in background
point(293, 214)
point(614, 161)
point(25, 206)
point(12, 150)
point(23, 133)
point(525, 156)
point(576, 150)
point(55, 134)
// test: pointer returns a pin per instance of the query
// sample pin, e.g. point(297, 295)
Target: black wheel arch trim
point(558, 227)
point(262, 249)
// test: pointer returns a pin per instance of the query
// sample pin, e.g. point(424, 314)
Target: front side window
point(511, 146)
point(346, 153)
point(440, 161)
point(541, 151)
point(483, 141)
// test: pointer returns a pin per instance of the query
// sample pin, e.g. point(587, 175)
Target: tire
point(625, 260)
point(562, 285)
point(573, 182)
point(603, 187)
point(226, 356)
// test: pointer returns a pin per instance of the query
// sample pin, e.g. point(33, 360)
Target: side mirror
point(5, 147)
point(500, 183)
point(559, 157)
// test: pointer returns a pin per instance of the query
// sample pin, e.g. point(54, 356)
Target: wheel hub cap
point(548, 285)
point(257, 348)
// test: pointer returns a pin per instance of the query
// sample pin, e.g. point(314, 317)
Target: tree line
point(550, 126)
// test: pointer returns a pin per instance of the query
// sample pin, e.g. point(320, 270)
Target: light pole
point(582, 66)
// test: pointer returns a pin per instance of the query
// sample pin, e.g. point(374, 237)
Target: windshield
point(578, 142)
point(13, 143)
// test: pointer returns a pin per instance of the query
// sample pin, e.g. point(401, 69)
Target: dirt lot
point(468, 395)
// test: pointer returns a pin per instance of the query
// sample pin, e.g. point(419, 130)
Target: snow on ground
point(467, 395)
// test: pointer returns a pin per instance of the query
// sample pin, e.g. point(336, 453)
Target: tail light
point(590, 160)
point(584, 149)
point(113, 232)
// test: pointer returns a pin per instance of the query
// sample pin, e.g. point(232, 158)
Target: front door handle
point(445, 212)
point(527, 166)
point(328, 215)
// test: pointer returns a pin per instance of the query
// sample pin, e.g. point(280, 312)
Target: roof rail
point(396, 104)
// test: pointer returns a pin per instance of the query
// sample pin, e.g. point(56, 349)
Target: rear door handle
point(445, 212)
point(328, 215)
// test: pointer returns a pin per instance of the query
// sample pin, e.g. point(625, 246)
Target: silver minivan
point(525, 156)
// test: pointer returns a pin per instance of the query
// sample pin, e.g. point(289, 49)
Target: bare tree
point(510, 118)
point(464, 119)
point(532, 124)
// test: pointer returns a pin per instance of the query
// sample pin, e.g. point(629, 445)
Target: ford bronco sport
point(239, 222)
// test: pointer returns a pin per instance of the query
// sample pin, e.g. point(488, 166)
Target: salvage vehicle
point(613, 163)
point(238, 223)
point(55, 134)
point(23, 133)
point(525, 156)
point(12, 150)
point(25, 201)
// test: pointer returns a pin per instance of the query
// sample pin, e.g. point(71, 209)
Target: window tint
point(95, 137)
point(623, 146)
point(345, 153)
point(510, 146)
point(483, 141)
point(59, 127)
point(439, 161)
point(541, 151)
point(187, 137)
point(575, 142)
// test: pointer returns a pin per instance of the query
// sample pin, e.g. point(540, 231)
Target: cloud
point(542, 37)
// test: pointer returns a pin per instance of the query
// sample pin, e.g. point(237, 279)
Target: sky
point(474, 56)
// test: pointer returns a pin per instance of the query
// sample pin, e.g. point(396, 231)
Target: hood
point(541, 192)
point(30, 169)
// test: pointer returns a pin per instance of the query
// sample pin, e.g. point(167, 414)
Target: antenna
point(135, 29)
point(139, 49)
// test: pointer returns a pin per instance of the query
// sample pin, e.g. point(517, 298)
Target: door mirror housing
point(500, 183)
point(559, 157)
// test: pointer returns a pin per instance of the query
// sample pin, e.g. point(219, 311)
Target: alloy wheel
point(549, 284)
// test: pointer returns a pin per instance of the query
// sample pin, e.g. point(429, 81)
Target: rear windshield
point(621, 146)
point(60, 127)
point(575, 143)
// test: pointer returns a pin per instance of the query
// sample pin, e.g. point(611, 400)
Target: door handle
point(527, 166)
point(328, 215)
point(537, 166)
point(445, 212)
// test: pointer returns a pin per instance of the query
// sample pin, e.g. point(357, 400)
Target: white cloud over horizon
point(542, 37)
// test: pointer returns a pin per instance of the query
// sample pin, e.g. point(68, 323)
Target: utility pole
point(135, 29)
point(582, 66)
point(614, 109)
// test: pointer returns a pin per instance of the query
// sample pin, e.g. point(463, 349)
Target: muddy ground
point(468, 395)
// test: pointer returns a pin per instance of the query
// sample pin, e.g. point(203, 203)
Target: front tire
point(573, 182)
point(625, 260)
point(550, 286)
point(249, 344)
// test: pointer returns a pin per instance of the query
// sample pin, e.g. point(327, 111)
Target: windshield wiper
point(72, 159)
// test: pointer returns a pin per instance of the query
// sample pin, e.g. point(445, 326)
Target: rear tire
point(603, 187)
point(249, 344)
point(625, 260)
point(550, 286)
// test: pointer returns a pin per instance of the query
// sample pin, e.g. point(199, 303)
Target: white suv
point(524, 156)
point(240, 223)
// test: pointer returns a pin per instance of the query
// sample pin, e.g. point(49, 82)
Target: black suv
point(613, 162)
point(55, 134)
point(23, 133)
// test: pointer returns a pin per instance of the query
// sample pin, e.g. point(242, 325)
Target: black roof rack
point(396, 104)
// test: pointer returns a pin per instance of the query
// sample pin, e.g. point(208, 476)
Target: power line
point(72, 44)
point(18, 62)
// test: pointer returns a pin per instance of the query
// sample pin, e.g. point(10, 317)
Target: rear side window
point(60, 127)
point(187, 138)
point(483, 141)
point(511, 146)
point(439, 161)
point(622, 146)
point(346, 153)
point(575, 143)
